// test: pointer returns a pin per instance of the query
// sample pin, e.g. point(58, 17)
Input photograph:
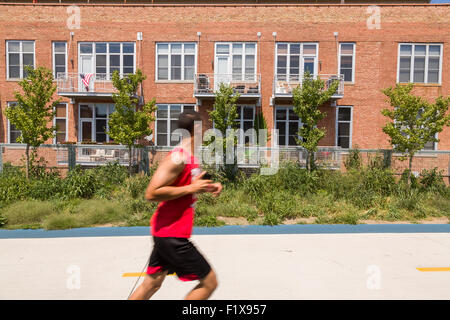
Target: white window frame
point(169, 65)
point(9, 103)
point(346, 121)
point(55, 76)
point(230, 64)
point(287, 121)
point(435, 144)
point(411, 75)
point(302, 56)
point(169, 119)
point(93, 120)
point(66, 119)
point(21, 52)
point(353, 55)
point(94, 57)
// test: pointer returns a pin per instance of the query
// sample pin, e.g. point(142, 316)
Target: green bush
point(93, 212)
point(290, 177)
point(432, 180)
point(207, 221)
point(136, 185)
point(80, 183)
point(111, 174)
point(374, 186)
point(61, 221)
point(44, 188)
point(354, 159)
point(28, 212)
point(3, 219)
point(13, 187)
point(271, 219)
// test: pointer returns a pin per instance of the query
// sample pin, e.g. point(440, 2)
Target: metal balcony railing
point(84, 84)
point(284, 84)
point(244, 84)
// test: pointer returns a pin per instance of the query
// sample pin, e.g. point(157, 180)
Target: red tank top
point(175, 218)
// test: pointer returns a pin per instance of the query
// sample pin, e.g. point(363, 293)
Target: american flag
point(86, 78)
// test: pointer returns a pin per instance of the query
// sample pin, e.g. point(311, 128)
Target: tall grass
point(106, 195)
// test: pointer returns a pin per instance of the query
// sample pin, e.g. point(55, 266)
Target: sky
point(440, 1)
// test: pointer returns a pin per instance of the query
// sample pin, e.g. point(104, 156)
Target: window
point(103, 58)
point(19, 54)
point(347, 61)
point(175, 61)
point(94, 121)
point(344, 127)
point(288, 124)
point(60, 121)
point(246, 120)
point(13, 133)
point(237, 59)
point(59, 58)
point(166, 122)
point(294, 59)
point(430, 145)
point(420, 63)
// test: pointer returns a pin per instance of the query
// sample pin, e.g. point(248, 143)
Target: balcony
point(72, 85)
point(247, 85)
point(284, 84)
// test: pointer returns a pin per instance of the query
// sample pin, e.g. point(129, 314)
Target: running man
point(175, 184)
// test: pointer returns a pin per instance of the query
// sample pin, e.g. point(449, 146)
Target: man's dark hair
point(187, 119)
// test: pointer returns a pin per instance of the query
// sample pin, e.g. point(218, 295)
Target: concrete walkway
point(307, 264)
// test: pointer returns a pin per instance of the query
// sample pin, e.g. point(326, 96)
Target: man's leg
point(205, 288)
point(149, 287)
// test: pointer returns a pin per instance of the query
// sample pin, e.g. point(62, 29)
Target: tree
point(130, 122)
point(34, 110)
point(307, 99)
point(415, 121)
point(224, 115)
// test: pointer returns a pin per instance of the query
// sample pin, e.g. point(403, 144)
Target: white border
point(168, 80)
point(230, 57)
point(55, 76)
point(20, 57)
point(93, 57)
point(353, 61)
point(67, 122)
point(411, 76)
point(168, 119)
point(301, 56)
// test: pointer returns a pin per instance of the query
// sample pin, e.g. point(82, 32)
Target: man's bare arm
point(160, 189)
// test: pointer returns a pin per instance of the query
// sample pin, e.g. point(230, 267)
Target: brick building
point(261, 48)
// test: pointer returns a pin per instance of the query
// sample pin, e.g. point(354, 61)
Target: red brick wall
point(376, 50)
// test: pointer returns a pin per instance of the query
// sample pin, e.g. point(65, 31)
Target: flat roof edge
point(227, 5)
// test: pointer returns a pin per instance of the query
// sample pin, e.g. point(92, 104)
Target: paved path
point(297, 262)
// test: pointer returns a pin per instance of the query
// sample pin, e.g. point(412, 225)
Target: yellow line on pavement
point(434, 269)
point(138, 274)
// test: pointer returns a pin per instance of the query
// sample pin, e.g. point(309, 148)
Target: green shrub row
point(107, 195)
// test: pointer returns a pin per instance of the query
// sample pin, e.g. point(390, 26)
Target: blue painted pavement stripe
point(281, 229)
